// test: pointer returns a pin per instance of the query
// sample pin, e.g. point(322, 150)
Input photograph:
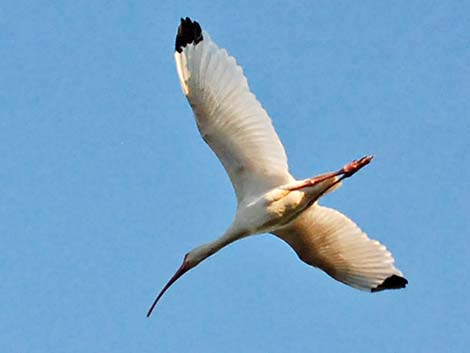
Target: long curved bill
point(181, 271)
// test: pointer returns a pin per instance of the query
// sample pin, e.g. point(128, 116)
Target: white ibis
point(239, 131)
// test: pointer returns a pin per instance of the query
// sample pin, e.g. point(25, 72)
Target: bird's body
point(270, 200)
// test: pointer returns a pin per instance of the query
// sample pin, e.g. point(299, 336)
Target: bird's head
point(191, 260)
point(185, 267)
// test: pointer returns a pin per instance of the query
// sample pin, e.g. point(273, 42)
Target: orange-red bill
point(181, 271)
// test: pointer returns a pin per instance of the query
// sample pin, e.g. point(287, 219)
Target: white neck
point(202, 252)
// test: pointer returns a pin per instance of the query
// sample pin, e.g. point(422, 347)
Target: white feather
point(327, 239)
point(231, 120)
point(240, 132)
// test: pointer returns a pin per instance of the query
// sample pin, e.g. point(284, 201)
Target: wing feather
point(229, 117)
point(327, 239)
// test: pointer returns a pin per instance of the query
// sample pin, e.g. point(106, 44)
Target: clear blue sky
point(105, 182)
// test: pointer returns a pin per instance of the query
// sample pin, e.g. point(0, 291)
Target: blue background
point(105, 182)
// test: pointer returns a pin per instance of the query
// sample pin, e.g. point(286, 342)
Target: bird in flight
point(270, 200)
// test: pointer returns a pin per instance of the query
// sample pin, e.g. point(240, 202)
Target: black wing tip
point(188, 32)
point(392, 282)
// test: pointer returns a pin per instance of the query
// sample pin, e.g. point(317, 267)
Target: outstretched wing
point(230, 119)
point(327, 239)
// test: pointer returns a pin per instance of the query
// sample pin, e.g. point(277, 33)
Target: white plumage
point(327, 239)
point(231, 120)
point(270, 200)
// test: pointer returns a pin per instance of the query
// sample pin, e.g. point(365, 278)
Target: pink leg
point(351, 168)
point(347, 171)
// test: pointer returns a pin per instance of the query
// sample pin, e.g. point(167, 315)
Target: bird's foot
point(345, 172)
point(351, 168)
